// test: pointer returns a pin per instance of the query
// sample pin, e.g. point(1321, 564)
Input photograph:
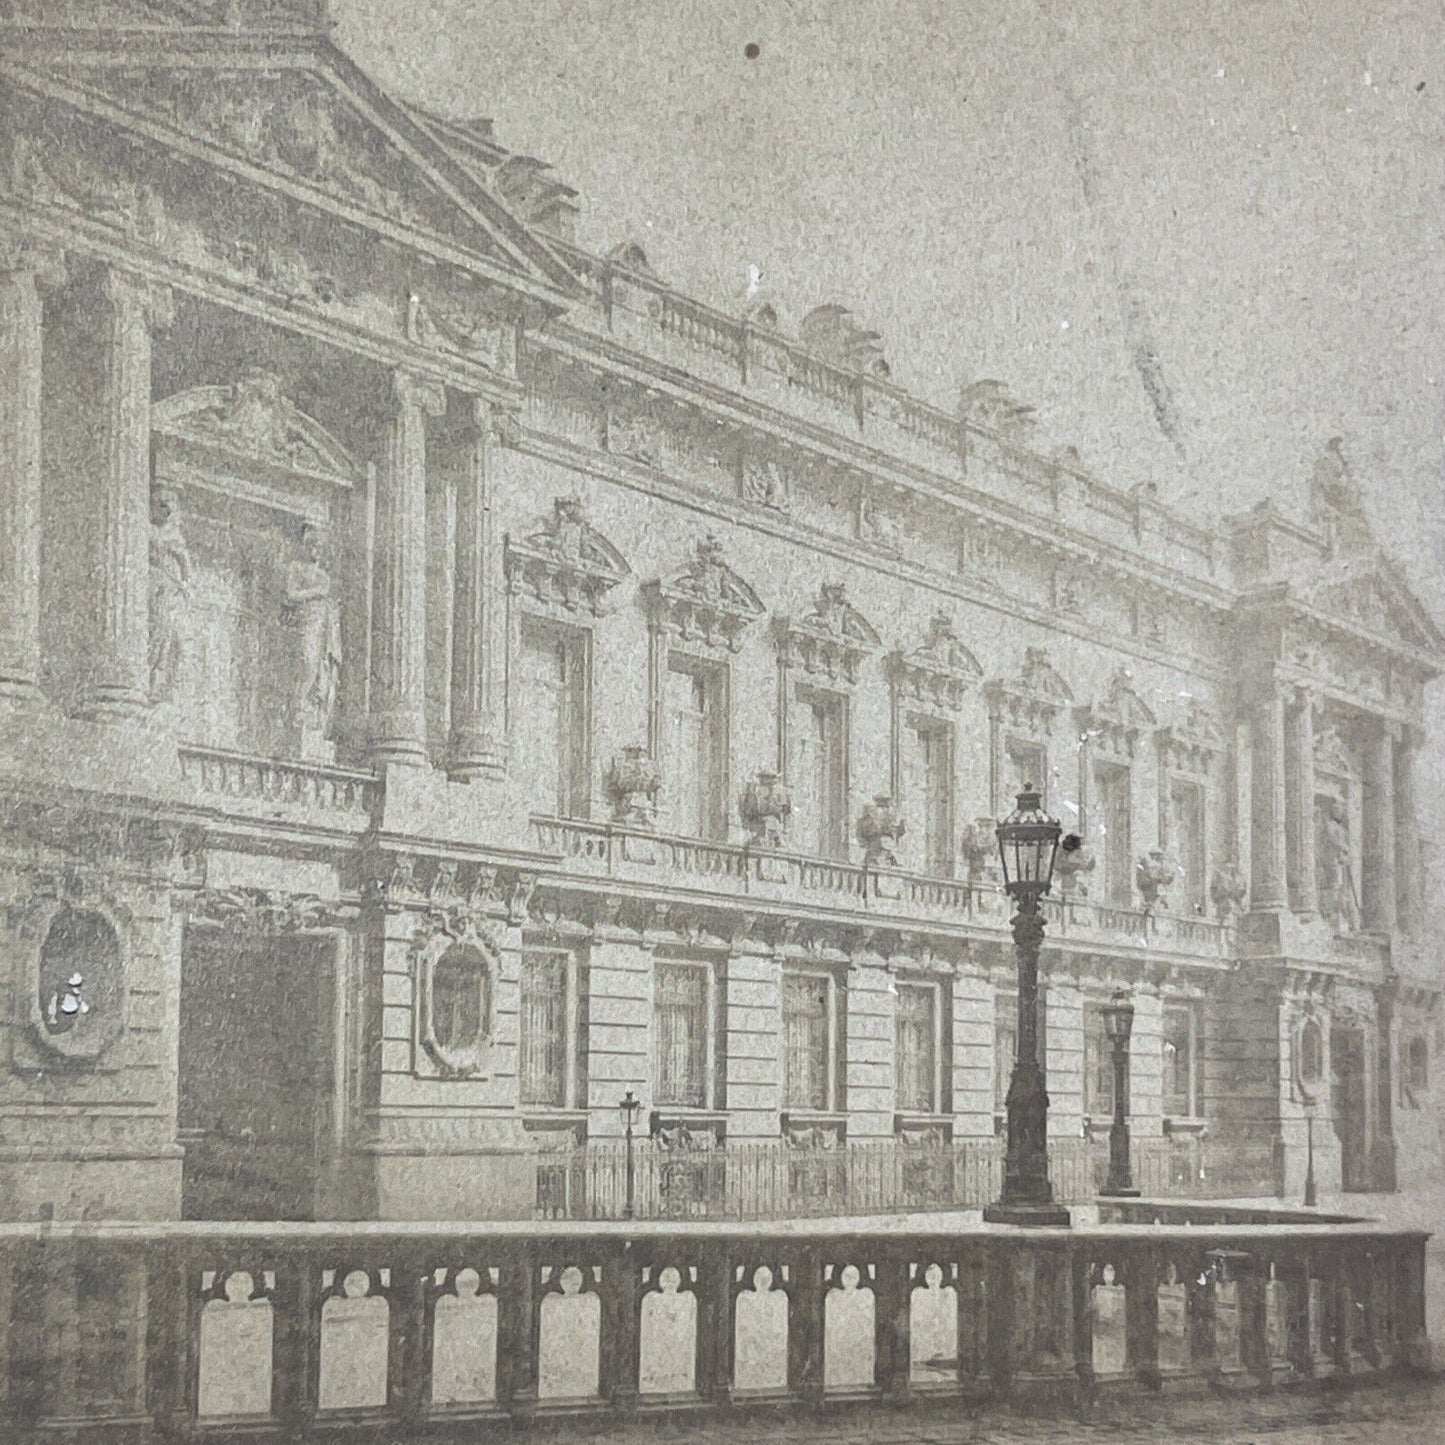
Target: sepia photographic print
point(721, 721)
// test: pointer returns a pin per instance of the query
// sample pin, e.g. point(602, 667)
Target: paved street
point(1407, 1413)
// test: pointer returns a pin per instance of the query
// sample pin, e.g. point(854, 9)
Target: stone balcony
point(728, 871)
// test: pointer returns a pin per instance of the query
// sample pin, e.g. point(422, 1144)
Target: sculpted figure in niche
point(1338, 902)
point(314, 613)
point(170, 581)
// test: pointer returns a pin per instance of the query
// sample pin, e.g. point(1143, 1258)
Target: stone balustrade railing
point(270, 783)
point(738, 352)
point(389, 1331)
point(611, 850)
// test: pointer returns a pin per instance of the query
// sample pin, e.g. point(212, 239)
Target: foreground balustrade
point(218, 1329)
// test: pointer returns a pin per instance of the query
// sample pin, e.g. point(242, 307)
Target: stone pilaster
point(117, 683)
point(475, 750)
point(1267, 804)
point(1300, 803)
point(398, 683)
point(25, 269)
point(1379, 799)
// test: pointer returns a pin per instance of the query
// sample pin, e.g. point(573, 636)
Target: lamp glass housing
point(1028, 841)
point(1118, 1017)
point(629, 1107)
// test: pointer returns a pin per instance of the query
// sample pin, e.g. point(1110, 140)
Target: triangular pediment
point(304, 114)
point(1374, 598)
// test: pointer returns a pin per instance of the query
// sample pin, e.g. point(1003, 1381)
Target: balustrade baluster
point(296, 1342)
point(172, 1333)
point(1081, 1293)
point(621, 1328)
point(805, 1326)
point(1254, 1351)
point(1000, 1274)
point(409, 1337)
point(1342, 1308)
point(1142, 1274)
point(892, 1325)
point(517, 1335)
point(714, 1323)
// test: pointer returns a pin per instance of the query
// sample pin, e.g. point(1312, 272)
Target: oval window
point(79, 965)
point(459, 985)
point(1311, 1052)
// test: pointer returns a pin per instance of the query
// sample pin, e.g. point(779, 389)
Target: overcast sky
point(1200, 238)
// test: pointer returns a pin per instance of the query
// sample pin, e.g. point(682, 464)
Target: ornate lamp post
point(1311, 1192)
point(1118, 1025)
point(1027, 842)
point(629, 1108)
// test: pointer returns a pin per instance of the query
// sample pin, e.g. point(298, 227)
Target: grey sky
point(1200, 238)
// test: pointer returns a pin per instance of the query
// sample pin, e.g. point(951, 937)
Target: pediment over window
point(1195, 740)
point(939, 673)
point(706, 603)
point(253, 419)
point(1373, 599)
point(566, 564)
point(830, 640)
point(1119, 717)
point(1033, 699)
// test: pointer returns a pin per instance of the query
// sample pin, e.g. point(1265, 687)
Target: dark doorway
point(255, 1073)
point(1349, 1095)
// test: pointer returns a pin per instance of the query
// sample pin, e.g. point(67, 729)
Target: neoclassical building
point(449, 678)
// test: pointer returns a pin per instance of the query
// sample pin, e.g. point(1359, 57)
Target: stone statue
point(1338, 901)
point(313, 611)
point(170, 582)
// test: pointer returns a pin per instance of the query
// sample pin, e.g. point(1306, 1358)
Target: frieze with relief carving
point(457, 895)
point(267, 911)
point(48, 170)
point(468, 330)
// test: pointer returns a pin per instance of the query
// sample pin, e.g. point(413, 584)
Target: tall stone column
point(398, 650)
point(1407, 831)
point(25, 269)
point(1300, 804)
point(1267, 805)
point(118, 681)
point(1379, 820)
point(475, 749)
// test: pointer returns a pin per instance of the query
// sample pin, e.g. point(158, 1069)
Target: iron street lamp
point(1028, 840)
point(629, 1108)
point(1311, 1198)
point(1118, 1025)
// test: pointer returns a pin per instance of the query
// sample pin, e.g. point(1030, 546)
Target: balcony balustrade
point(272, 788)
point(615, 851)
point(151, 1332)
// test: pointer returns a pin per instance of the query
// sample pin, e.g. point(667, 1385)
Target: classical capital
point(427, 396)
point(26, 254)
point(152, 301)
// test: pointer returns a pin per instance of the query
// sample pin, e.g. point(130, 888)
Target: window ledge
point(697, 1121)
point(911, 1121)
point(539, 1119)
point(1182, 1125)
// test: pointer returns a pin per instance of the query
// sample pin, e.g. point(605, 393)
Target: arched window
point(1311, 1046)
point(79, 970)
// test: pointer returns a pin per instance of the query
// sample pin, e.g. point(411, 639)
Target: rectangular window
point(921, 1054)
point(820, 773)
point(1027, 765)
point(552, 721)
point(1111, 820)
point(685, 1036)
point(928, 789)
point(1186, 810)
point(696, 748)
point(812, 1041)
point(1183, 1078)
point(552, 1042)
point(1098, 1068)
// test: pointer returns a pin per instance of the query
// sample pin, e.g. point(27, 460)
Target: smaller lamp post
point(1307, 1098)
point(630, 1108)
point(1119, 1025)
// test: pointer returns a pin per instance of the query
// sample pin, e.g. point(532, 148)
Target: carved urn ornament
point(1227, 890)
point(1153, 876)
point(634, 780)
point(880, 827)
point(765, 806)
point(1075, 861)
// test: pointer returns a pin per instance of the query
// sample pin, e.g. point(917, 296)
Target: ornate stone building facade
point(451, 678)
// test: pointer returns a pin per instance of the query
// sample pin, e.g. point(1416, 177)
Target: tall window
point(1098, 1067)
point(1186, 808)
point(820, 773)
point(1027, 763)
point(685, 1036)
point(552, 719)
point(921, 1053)
point(1111, 811)
point(552, 1053)
point(812, 1041)
point(696, 748)
point(928, 786)
point(1183, 1078)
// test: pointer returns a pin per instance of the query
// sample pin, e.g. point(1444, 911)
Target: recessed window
point(820, 773)
point(695, 790)
point(921, 1052)
point(928, 790)
point(686, 1036)
point(1417, 1068)
point(79, 969)
point(552, 722)
point(1183, 1076)
point(1186, 815)
point(1311, 1046)
point(812, 1041)
point(552, 1030)
point(1111, 824)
